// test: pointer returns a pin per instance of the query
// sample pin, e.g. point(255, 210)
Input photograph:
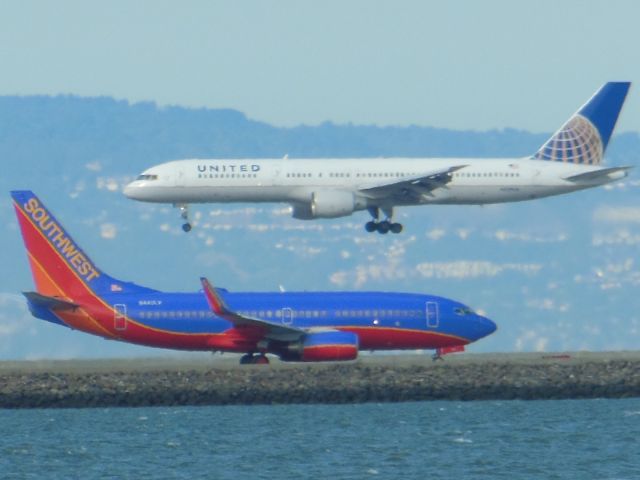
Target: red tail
point(59, 267)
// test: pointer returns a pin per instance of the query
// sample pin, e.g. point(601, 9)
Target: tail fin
point(585, 136)
point(59, 266)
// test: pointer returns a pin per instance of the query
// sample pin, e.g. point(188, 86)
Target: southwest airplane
point(329, 188)
point(304, 326)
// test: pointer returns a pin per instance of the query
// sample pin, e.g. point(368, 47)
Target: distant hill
point(69, 130)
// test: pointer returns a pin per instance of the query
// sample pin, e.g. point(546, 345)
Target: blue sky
point(456, 64)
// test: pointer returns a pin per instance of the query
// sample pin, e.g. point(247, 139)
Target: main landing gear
point(184, 214)
point(386, 225)
point(251, 359)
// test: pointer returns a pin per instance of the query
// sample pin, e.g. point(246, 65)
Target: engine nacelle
point(329, 346)
point(327, 204)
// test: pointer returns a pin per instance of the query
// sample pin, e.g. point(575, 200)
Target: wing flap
point(412, 186)
point(272, 330)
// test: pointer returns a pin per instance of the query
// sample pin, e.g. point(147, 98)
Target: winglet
point(216, 303)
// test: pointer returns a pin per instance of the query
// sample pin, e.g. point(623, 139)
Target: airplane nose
point(485, 326)
point(130, 191)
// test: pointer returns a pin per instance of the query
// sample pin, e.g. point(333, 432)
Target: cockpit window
point(147, 177)
point(463, 311)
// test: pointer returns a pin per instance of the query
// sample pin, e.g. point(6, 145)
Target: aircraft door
point(287, 316)
point(433, 316)
point(120, 316)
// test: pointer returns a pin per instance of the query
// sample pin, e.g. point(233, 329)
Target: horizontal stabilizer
point(52, 303)
point(604, 175)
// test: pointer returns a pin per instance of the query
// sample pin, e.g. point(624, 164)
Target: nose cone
point(130, 190)
point(138, 190)
point(484, 326)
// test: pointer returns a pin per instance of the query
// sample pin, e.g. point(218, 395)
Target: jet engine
point(329, 346)
point(327, 204)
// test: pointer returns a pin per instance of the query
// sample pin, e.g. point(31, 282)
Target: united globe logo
point(578, 141)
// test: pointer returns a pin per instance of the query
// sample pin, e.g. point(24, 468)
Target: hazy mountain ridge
point(558, 273)
point(76, 130)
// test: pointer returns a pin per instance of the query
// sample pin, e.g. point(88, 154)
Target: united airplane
point(328, 188)
point(70, 290)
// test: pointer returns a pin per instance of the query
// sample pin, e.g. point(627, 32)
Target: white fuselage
point(480, 181)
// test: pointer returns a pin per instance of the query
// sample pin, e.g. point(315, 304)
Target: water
point(525, 440)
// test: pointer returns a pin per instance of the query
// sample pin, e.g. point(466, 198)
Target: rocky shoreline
point(132, 383)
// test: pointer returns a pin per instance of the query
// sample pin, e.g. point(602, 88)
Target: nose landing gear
point(184, 214)
point(386, 225)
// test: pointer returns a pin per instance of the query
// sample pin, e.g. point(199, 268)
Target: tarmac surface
point(220, 380)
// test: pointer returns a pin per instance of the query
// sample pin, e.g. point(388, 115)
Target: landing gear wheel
point(260, 360)
point(384, 227)
point(371, 226)
point(184, 214)
point(251, 359)
point(246, 359)
point(396, 227)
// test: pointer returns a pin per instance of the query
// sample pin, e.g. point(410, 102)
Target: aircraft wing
point(275, 331)
point(603, 174)
point(412, 187)
point(53, 303)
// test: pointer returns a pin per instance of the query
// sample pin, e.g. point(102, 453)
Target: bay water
point(460, 440)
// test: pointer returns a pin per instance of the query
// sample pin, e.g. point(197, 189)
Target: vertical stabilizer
point(584, 137)
point(59, 266)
